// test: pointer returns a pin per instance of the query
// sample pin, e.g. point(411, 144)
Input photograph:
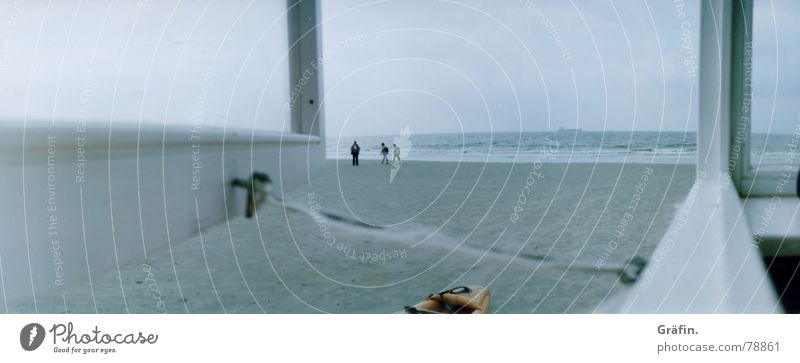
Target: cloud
point(436, 65)
point(509, 66)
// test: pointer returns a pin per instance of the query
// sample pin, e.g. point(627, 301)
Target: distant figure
point(396, 159)
point(384, 153)
point(354, 150)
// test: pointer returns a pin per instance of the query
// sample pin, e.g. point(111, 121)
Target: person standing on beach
point(384, 153)
point(396, 152)
point(354, 150)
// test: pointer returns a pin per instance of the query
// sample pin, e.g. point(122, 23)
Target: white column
point(741, 91)
point(305, 67)
point(715, 68)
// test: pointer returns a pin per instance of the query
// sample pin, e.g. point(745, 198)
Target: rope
point(627, 271)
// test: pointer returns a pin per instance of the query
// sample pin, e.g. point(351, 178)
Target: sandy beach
point(487, 217)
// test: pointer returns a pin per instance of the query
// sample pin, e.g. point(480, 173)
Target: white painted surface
point(138, 192)
point(707, 262)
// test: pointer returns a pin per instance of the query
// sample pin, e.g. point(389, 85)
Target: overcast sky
point(776, 76)
point(448, 66)
point(510, 65)
point(211, 63)
point(431, 65)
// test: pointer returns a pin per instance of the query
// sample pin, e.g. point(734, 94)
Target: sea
point(558, 146)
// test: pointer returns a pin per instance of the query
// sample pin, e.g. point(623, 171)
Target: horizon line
point(509, 132)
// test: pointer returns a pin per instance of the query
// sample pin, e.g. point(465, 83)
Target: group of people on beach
point(355, 149)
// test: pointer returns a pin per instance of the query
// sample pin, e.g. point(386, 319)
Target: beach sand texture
point(287, 263)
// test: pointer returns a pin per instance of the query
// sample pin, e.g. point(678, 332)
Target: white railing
point(80, 200)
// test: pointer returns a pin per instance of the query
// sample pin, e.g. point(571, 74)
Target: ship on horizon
point(563, 129)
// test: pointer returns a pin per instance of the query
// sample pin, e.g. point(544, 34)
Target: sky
point(434, 66)
point(441, 66)
point(162, 62)
point(776, 56)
